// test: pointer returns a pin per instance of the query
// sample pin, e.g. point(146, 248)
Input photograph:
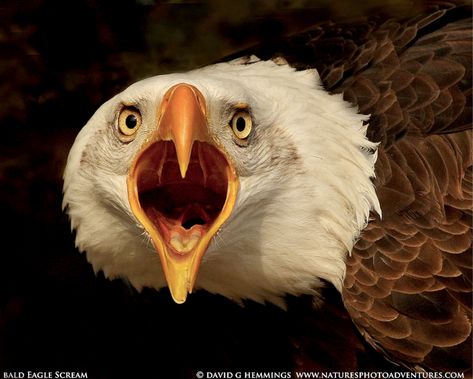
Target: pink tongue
point(184, 230)
point(185, 217)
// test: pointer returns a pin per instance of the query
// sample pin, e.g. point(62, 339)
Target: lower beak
point(182, 187)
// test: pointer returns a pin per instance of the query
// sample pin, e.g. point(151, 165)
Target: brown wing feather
point(408, 283)
point(409, 280)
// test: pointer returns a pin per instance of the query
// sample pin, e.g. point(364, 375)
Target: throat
point(183, 209)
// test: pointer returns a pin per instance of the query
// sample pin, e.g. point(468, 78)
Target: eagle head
point(244, 178)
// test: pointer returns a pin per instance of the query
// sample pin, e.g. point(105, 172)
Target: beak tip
point(183, 171)
point(179, 298)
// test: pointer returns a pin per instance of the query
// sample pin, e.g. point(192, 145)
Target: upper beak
point(180, 175)
point(183, 121)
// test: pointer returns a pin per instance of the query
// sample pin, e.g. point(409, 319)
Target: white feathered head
point(245, 179)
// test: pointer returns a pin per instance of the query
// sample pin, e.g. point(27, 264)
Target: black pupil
point(240, 124)
point(131, 121)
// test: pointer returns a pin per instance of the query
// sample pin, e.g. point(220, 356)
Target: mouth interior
point(182, 209)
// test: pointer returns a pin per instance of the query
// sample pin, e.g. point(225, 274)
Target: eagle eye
point(129, 121)
point(241, 124)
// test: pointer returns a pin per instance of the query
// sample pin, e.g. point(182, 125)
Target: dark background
point(59, 60)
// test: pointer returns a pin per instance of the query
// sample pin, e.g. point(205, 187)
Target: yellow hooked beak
point(182, 187)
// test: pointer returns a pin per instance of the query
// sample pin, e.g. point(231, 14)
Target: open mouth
point(181, 210)
point(181, 187)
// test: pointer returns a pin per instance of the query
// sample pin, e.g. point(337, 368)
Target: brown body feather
point(408, 284)
point(416, 305)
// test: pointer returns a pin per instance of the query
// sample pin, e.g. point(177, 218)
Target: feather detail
point(422, 247)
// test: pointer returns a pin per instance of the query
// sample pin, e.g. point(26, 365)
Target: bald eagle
point(341, 155)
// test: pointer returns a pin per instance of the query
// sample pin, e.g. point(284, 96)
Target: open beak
point(181, 187)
